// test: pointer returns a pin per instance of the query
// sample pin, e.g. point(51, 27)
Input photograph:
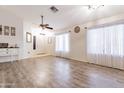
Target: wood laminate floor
point(53, 72)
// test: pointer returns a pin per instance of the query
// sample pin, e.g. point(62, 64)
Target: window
point(62, 42)
point(106, 40)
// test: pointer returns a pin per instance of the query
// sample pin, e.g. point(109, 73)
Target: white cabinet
point(13, 51)
point(3, 52)
point(8, 54)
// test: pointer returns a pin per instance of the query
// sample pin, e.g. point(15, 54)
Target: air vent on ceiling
point(54, 9)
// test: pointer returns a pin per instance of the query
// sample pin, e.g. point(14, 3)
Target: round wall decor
point(77, 29)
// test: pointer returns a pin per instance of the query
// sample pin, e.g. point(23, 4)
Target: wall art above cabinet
point(13, 31)
point(7, 31)
point(0, 29)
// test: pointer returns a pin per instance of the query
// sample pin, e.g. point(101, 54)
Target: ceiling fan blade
point(49, 28)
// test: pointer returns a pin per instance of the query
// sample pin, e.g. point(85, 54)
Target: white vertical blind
point(62, 44)
point(105, 46)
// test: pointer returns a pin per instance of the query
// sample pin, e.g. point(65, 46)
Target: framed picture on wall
point(28, 37)
point(13, 31)
point(6, 30)
point(0, 29)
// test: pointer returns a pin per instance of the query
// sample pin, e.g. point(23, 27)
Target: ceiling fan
point(45, 26)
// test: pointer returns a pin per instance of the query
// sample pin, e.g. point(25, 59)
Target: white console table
point(8, 54)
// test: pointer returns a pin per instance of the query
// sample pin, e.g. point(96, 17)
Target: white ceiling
point(68, 15)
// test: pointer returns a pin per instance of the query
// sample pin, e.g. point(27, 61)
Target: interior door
point(40, 44)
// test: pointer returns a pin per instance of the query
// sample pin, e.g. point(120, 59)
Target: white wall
point(9, 19)
point(27, 47)
point(78, 40)
point(77, 44)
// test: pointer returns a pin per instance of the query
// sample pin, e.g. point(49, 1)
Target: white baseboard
point(40, 55)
